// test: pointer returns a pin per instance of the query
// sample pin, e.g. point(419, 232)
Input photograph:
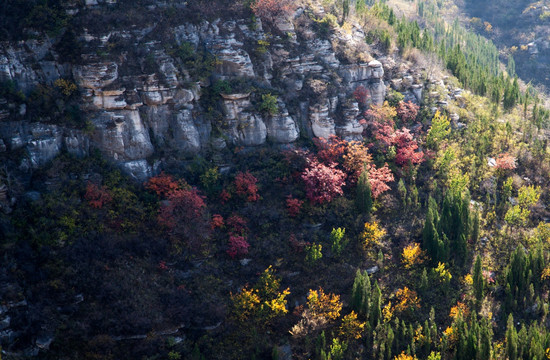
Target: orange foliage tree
point(97, 196)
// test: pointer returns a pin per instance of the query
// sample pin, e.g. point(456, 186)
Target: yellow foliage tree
point(408, 299)
point(404, 356)
point(460, 309)
point(412, 255)
point(444, 274)
point(371, 235)
point(245, 303)
point(387, 312)
point(324, 305)
point(351, 328)
point(263, 302)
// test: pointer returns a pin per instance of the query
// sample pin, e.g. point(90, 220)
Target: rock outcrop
point(147, 98)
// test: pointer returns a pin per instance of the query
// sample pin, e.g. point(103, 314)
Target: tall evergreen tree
point(375, 308)
point(478, 281)
point(363, 198)
point(511, 339)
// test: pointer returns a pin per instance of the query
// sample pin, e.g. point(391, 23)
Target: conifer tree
point(511, 339)
point(360, 294)
point(363, 197)
point(375, 308)
point(478, 281)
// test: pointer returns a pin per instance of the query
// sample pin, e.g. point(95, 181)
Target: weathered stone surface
point(244, 127)
point(351, 129)
point(186, 135)
point(282, 128)
point(322, 124)
point(96, 76)
point(122, 136)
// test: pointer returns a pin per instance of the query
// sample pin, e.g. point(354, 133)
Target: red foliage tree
point(184, 214)
point(217, 221)
point(270, 10)
point(505, 161)
point(330, 150)
point(238, 246)
point(293, 206)
point(379, 179)
point(323, 182)
point(162, 184)
point(97, 196)
point(406, 148)
point(245, 186)
point(225, 196)
point(407, 111)
point(361, 94)
point(237, 225)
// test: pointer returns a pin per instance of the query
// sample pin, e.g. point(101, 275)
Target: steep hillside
point(520, 29)
point(267, 179)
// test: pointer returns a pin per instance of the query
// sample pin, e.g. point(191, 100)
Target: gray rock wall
point(134, 111)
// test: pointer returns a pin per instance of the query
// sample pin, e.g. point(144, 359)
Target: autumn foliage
point(323, 182)
point(506, 161)
point(406, 148)
point(238, 231)
point(262, 302)
point(379, 179)
point(272, 9)
point(183, 212)
point(361, 94)
point(97, 196)
point(162, 184)
point(330, 150)
point(356, 159)
point(412, 255)
point(184, 206)
point(371, 235)
point(238, 246)
point(407, 111)
point(245, 186)
point(324, 305)
point(293, 206)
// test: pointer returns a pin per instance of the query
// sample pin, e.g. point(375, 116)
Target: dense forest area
point(427, 238)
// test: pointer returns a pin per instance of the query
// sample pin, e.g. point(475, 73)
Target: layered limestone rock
point(122, 136)
point(322, 125)
point(282, 128)
point(242, 126)
point(350, 129)
point(137, 104)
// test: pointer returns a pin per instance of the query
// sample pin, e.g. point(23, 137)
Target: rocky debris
point(373, 270)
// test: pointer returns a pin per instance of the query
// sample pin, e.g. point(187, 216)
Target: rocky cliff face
point(140, 98)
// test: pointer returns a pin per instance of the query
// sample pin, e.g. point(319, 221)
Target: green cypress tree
point(511, 339)
point(360, 294)
point(363, 198)
point(375, 309)
point(478, 281)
